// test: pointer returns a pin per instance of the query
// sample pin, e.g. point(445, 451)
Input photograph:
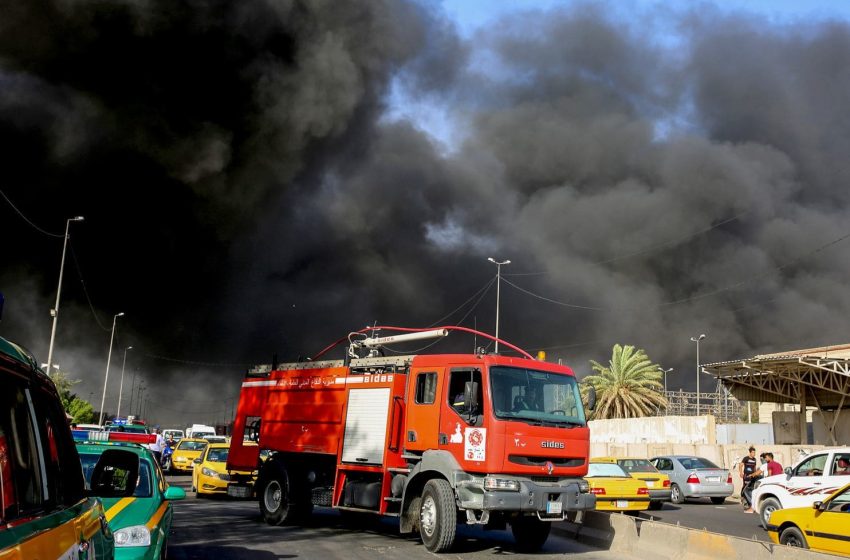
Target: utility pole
point(498, 293)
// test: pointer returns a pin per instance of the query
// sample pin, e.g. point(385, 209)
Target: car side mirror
point(788, 471)
point(197, 461)
point(174, 493)
point(591, 398)
point(115, 475)
point(819, 506)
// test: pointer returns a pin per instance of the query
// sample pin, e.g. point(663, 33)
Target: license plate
point(554, 507)
point(713, 479)
point(650, 483)
point(622, 503)
point(238, 491)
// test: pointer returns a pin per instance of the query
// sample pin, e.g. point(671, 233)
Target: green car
point(141, 524)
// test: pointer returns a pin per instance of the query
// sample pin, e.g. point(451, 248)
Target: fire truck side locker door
point(424, 395)
point(366, 426)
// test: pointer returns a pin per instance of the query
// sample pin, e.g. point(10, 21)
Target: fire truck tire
point(276, 499)
point(438, 516)
point(530, 533)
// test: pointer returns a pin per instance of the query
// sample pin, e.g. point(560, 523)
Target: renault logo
point(549, 467)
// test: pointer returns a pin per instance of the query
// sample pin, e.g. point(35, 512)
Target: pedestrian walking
point(157, 445)
point(746, 467)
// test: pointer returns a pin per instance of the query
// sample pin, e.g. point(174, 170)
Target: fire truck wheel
point(438, 516)
point(276, 500)
point(530, 533)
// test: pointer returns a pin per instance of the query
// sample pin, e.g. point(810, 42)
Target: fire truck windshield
point(536, 396)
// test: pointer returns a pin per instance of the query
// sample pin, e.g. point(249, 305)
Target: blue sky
point(440, 121)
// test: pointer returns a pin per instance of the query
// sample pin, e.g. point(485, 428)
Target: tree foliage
point(629, 386)
point(81, 411)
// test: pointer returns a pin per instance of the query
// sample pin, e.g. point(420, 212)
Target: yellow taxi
point(614, 489)
point(636, 467)
point(210, 474)
point(187, 451)
point(824, 527)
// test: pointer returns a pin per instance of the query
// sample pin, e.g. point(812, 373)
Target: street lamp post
point(108, 359)
point(55, 310)
point(121, 386)
point(498, 293)
point(665, 372)
point(697, 339)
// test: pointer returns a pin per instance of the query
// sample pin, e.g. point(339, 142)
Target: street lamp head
point(120, 314)
point(697, 339)
point(491, 259)
point(129, 348)
point(77, 219)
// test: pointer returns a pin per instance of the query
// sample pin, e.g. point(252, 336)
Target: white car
point(813, 479)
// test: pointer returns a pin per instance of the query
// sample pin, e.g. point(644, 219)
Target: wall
point(655, 429)
point(821, 422)
point(745, 433)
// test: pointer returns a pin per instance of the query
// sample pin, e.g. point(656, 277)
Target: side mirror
point(197, 461)
point(174, 493)
point(819, 506)
point(591, 398)
point(470, 396)
point(788, 471)
point(115, 475)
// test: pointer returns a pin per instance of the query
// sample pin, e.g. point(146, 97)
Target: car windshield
point(143, 486)
point(637, 466)
point(217, 455)
point(697, 463)
point(597, 470)
point(191, 445)
point(536, 396)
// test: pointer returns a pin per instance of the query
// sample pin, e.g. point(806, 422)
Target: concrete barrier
point(663, 541)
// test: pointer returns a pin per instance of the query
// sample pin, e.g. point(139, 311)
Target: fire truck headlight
point(507, 485)
point(583, 486)
point(208, 472)
point(137, 535)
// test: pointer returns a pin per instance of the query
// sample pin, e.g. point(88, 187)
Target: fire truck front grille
point(536, 461)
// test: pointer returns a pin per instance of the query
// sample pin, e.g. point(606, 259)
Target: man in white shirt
point(156, 446)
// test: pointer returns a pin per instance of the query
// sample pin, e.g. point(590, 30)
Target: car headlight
point(583, 486)
point(209, 472)
point(137, 535)
point(492, 483)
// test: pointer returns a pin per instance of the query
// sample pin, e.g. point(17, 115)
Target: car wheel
point(438, 516)
point(768, 506)
point(530, 533)
point(792, 536)
point(717, 501)
point(676, 495)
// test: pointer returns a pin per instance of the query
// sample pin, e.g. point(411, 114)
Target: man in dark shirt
point(746, 468)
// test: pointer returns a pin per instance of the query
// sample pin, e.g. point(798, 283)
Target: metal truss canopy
point(816, 376)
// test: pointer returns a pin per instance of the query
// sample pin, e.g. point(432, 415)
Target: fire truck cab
point(433, 439)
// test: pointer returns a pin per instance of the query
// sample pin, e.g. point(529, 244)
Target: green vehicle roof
point(97, 447)
point(17, 353)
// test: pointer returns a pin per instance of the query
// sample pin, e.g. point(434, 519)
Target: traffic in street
point(233, 529)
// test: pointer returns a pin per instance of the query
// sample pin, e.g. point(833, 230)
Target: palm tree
point(629, 387)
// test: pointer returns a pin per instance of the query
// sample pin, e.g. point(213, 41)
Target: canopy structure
point(818, 377)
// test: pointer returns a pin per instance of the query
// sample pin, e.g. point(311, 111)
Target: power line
point(697, 297)
point(650, 249)
point(27, 220)
point(85, 290)
point(194, 363)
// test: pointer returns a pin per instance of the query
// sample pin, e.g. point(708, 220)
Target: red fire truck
point(432, 439)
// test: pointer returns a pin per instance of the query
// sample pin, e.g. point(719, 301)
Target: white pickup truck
point(813, 479)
